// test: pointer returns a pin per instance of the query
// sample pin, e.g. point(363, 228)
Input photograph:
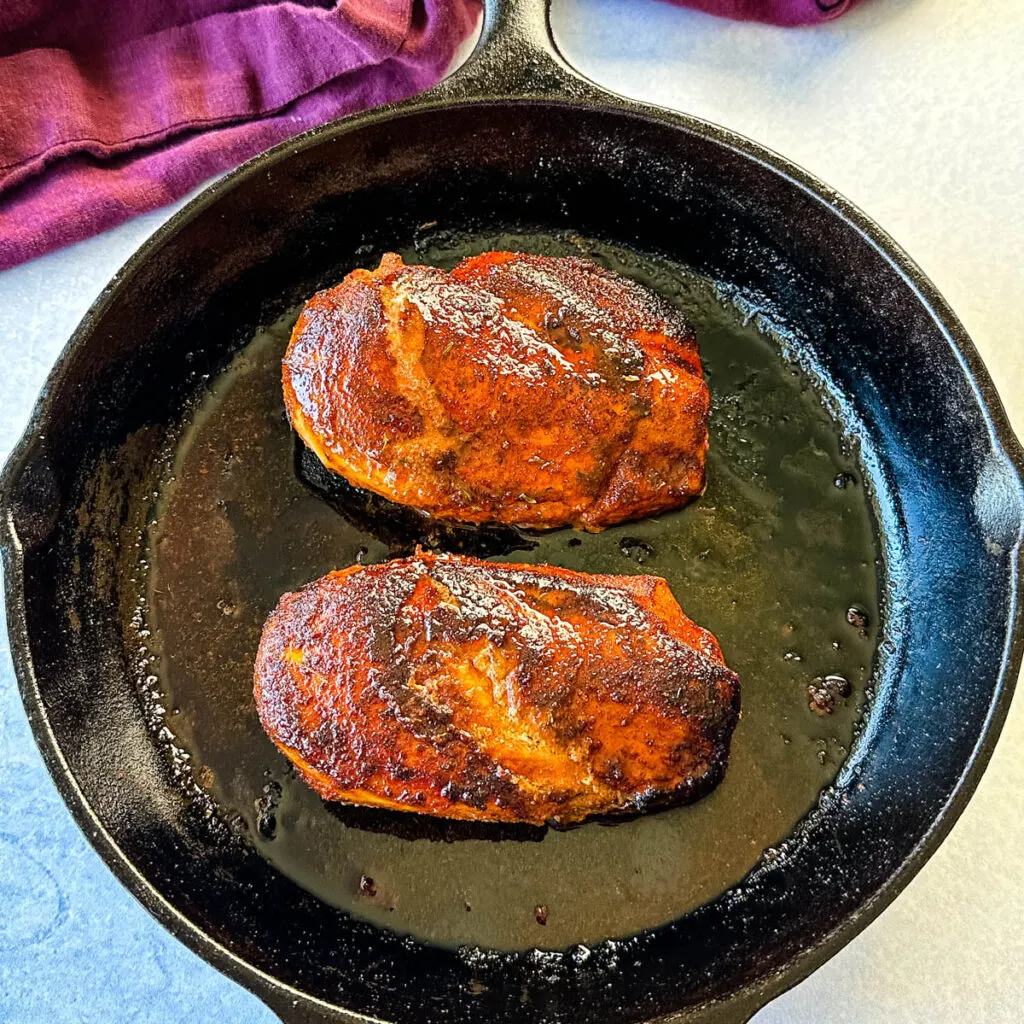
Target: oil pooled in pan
point(777, 559)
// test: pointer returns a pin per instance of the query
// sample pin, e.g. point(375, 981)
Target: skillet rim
point(267, 987)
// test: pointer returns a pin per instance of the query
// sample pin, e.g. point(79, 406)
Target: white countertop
point(914, 109)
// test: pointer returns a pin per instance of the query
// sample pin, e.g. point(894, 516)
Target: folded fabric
point(109, 109)
point(775, 12)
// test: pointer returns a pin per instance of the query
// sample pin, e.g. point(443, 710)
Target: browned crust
point(491, 692)
point(529, 390)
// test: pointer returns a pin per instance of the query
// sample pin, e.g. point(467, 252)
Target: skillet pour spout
point(529, 145)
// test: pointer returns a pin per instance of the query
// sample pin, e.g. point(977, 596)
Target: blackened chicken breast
point(529, 390)
point(494, 692)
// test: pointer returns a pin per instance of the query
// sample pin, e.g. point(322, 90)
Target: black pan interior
point(776, 558)
point(946, 500)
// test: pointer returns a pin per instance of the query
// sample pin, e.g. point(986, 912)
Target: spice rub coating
point(495, 692)
point(535, 391)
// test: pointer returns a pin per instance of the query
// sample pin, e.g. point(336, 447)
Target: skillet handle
point(301, 1010)
point(738, 1010)
point(305, 1012)
point(516, 57)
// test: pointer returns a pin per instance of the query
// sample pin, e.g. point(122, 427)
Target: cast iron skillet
point(515, 144)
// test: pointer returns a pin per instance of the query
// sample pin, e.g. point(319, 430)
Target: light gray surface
point(911, 108)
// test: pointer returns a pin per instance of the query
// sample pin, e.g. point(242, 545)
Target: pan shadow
point(399, 528)
point(411, 826)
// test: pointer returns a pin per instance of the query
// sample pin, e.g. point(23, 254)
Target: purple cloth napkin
point(110, 108)
point(776, 12)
